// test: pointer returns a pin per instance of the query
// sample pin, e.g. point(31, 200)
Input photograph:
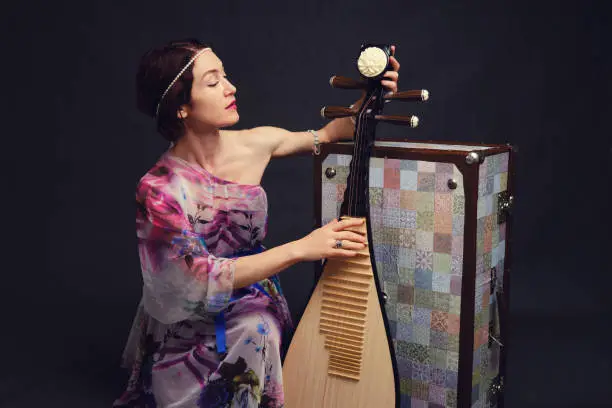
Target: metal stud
point(472, 158)
point(452, 184)
point(330, 172)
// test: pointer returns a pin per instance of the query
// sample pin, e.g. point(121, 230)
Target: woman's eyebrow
point(210, 71)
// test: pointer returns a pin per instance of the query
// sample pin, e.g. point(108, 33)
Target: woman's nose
point(229, 88)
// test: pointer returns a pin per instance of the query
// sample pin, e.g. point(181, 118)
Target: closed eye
point(217, 83)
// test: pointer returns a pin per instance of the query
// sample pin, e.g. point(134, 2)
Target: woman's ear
point(181, 113)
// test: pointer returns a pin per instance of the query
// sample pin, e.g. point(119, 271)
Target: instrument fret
point(345, 292)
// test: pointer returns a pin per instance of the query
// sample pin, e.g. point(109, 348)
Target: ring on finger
point(338, 244)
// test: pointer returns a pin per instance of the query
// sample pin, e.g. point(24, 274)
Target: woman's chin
point(230, 122)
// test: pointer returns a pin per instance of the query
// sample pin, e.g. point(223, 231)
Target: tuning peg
point(342, 82)
point(331, 112)
point(412, 121)
point(420, 95)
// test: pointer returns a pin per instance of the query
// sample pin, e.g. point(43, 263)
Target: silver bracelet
point(317, 145)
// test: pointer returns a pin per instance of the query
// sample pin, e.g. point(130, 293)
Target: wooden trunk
point(440, 229)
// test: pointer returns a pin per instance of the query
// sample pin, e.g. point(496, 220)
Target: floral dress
point(196, 341)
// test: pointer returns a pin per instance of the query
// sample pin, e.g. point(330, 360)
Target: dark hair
point(157, 69)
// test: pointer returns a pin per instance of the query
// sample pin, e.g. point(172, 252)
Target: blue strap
point(220, 332)
point(261, 289)
point(276, 281)
point(220, 317)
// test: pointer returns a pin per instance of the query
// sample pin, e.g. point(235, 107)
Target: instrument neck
point(356, 196)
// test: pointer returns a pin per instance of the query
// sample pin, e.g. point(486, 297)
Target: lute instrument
point(342, 353)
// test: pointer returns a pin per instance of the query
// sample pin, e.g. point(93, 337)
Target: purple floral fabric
point(191, 226)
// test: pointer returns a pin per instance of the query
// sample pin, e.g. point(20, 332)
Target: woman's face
point(212, 96)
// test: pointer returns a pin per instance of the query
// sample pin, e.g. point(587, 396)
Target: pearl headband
point(178, 76)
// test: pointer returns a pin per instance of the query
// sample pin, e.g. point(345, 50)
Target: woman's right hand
point(321, 243)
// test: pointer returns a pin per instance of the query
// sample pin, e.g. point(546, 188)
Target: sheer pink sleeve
point(182, 280)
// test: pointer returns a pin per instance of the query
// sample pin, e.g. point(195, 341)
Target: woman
point(209, 327)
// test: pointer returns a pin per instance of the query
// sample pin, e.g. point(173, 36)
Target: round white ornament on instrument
point(372, 62)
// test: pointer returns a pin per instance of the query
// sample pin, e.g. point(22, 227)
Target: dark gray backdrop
point(534, 75)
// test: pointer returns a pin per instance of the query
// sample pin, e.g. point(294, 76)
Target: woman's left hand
point(392, 76)
point(337, 129)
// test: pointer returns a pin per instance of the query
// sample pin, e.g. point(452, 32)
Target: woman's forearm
point(253, 268)
point(337, 130)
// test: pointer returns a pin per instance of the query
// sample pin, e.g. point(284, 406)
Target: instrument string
point(357, 147)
